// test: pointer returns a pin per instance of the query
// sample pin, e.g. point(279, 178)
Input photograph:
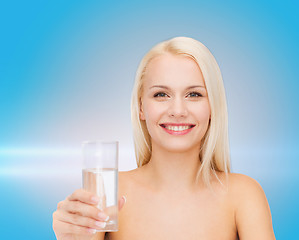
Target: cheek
point(202, 112)
point(151, 117)
point(152, 112)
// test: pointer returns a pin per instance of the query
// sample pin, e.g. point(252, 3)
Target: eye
point(160, 94)
point(194, 94)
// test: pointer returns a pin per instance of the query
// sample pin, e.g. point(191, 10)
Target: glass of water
point(100, 176)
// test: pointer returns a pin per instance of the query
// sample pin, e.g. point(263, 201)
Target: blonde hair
point(214, 153)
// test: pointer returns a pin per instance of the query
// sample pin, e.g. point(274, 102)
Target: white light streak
point(39, 151)
point(51, 162)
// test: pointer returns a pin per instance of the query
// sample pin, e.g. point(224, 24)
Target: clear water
point(104, 183)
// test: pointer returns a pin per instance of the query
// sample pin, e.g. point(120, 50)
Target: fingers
point(78, 220)
point(78, 215)
point(82, 209)
point(112, 211)
point(121, 202)
point(84, 196)
point(65, 228)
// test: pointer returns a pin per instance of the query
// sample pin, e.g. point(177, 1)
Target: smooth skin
point(163, 199)
point(77, 217)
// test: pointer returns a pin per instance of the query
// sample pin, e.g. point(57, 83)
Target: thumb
point(121, 202)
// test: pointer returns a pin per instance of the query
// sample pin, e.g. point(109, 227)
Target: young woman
point(182, 188)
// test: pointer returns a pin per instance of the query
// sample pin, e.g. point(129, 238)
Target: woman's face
point(174, 103)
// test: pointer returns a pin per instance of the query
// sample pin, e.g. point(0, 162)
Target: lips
point(177, 129)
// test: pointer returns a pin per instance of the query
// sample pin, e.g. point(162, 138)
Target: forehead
point(173, 70)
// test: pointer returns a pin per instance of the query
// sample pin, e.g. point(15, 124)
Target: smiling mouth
point(177, 128)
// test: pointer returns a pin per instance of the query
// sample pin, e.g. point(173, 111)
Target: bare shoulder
point(241, 185)
point(238, 184)
point(244, 191)
point(127, 178)
point(252, 211)
point(128, 175)
point(124, 177)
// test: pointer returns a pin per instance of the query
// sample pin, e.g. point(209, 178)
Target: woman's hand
point(77, 217)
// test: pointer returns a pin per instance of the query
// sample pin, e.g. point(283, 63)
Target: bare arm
point(252, 212)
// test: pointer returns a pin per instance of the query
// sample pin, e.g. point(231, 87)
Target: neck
point(173, 171)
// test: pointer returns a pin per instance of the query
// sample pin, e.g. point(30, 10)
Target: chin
point(179, 147)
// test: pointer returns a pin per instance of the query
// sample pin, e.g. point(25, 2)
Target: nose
point(177, 108)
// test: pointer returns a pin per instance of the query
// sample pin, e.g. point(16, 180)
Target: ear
point(141, 113)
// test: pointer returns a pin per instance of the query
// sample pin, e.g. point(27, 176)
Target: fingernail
point(124, 198)
point(103, 216)
point(92, 230)
point(101, 224)
point(95, 199)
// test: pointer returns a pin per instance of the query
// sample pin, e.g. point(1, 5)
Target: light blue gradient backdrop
point(66, 74)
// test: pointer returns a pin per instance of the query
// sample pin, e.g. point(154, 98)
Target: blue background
point(66, 73)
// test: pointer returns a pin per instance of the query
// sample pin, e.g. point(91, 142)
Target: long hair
point(214, 149)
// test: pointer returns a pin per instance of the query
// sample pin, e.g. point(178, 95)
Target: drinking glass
point(100, 176)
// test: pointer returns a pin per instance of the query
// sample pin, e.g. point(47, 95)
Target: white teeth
point(177, 128)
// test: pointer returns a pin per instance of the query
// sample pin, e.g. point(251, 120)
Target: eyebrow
point(165, 87)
